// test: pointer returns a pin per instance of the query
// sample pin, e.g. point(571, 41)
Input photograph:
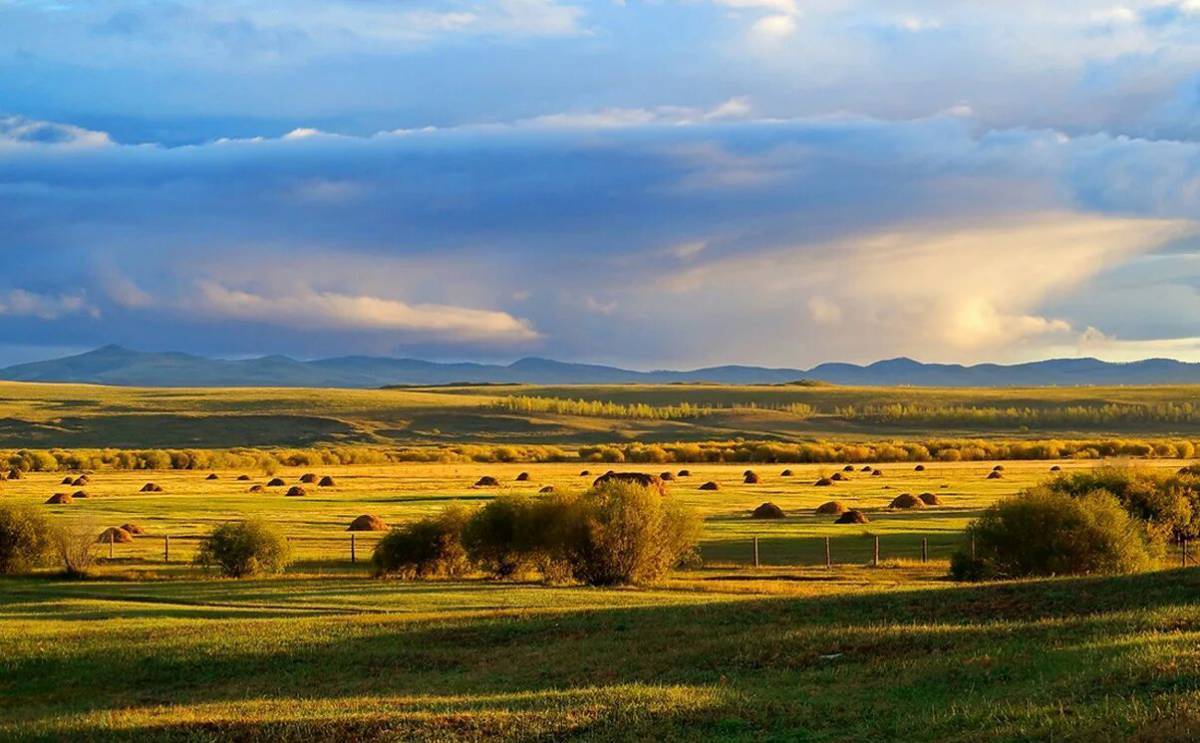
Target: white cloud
point(20, 131)
point(19, 302)
point(734, 108)
point(774, 26)
point(306, 307)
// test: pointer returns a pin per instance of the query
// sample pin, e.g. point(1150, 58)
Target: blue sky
point(668, 183)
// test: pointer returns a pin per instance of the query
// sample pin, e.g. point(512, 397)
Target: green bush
point(623, 533)
point(430, 547)
point(245, 548)
point(1167, 504)
point(1043, 532)
point(25, 538)
point(510, 535)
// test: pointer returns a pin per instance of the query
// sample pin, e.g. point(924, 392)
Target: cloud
point(775, 26)
point(309, 308)
point(21, 131)
point(20, 302)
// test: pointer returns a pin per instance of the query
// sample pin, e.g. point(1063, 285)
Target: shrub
point(1167, 504)
point(25, 537)
point(1043, 532)
point(511, 534)
point(623, 532)
point(74, 543)
point(430, 547)
point(245, 548)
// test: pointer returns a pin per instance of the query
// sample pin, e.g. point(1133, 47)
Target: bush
point(25, 538)
point(245, 548)
point(623, 532)
point(74, 543)
point(509, 535)
point(1167, 504)
point(1043, 532)
point(430, 547)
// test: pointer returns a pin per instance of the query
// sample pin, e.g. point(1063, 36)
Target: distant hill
point(120, 366)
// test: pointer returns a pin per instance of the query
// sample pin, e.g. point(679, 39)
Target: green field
point(68, 415)
point(154, 647)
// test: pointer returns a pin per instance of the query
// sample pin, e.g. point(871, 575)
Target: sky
point(650, 183)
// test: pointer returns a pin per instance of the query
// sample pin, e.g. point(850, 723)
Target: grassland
point(74, 416)
point(155, 649)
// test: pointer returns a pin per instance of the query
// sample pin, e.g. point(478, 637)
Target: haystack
point(852, 517)
point(115, 535)
point(243, 478)
point(585, 473)
point(67, 480)
point(133, 529)
point(59, 499)
point(866, 469)
point(326, 482)
point(919, 468)
point(877, 473)
point(547, 489)
point(666, 476)
point(276, 482)
point(747, 472)
point(523, 477)
point(308, 478)
point(768, 511)
point(487, 481)
point(640, 478)
point(256, 489)
point(80, 481)
point(824, 482)
point(295, 491)
point(906, 500)
point(367, 522)
point(1056, 468)
point(831, 508)
point(786, 473)
point(710, 485)
point(683, 473)
point(998, 468)
point(994, 475)
point(79, 494)
point(930, 499)
point(848, 468)
point(212, 476)
point(838, 476)
point(750, 478)
point(151, 488)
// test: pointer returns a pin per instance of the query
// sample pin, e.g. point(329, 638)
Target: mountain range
point(120, 366)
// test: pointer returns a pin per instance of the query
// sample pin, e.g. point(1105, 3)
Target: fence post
point(166, 548)
point(756, 551)
point(875, 554)
point(353, 554)
point(111, 538)
point(828, 560)
point(924, 549)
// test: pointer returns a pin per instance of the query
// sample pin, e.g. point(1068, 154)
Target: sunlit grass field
point(790, 650)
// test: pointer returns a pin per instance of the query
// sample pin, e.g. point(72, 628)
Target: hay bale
point(848, 468)
point(838, 477)
point(683, 473)
point(919, 468)
point(80, 481)
point(906, 500)
point(59, 499)
point(824, 482)
point(585, 473)
point(326, 482)
point(523, 477)
point(367, 522)
point(666, 476)
point(930, 499)
point(750, 478)
point(295, 491)
point(243, 478)
point(852, 517)
point(151, 488)
point(212, 476)
point(998, 468)
point(994, 475)
point(133, 529)
point(257, 489)
point(710, 485)
point(67, 480)
point(115, 535)
point(79, 494)
point(14, 474)
point(866, 469)
point(786, 473)
point(487, 481)
point(831, 508)
point(308, 478)
point(547, 489)
point(276, 482)
point(768, 511)
point(639, 478)
point(1056, 468)
point(876, 473)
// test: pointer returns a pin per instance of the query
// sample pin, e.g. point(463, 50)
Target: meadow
point(151, 646)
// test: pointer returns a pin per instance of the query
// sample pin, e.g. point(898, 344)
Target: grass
point(79, 416)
